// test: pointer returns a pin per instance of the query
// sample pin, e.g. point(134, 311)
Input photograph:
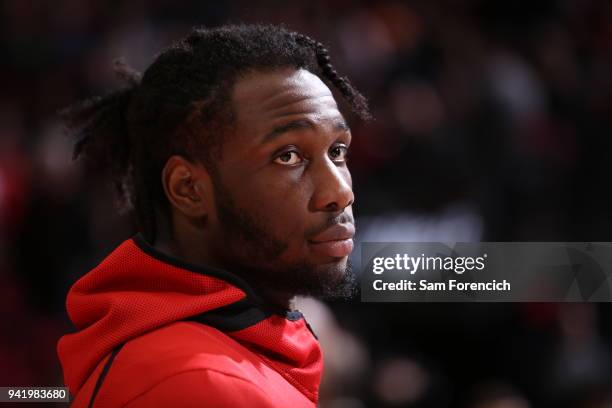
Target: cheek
point(280, 202)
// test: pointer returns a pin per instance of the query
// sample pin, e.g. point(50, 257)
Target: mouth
point(335, 241)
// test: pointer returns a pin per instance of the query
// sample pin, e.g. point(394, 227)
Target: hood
point(137, 289)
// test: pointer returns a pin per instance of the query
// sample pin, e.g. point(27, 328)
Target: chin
point(334, 271)
point(336, 280)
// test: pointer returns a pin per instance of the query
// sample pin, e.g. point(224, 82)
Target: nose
point(333, 190)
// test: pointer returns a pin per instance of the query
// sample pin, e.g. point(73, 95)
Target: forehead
point(263, 99)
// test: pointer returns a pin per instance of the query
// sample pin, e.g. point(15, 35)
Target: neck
point(184, 250)
point(276, 300)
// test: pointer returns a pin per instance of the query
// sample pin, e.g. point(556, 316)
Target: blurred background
point(494, 123)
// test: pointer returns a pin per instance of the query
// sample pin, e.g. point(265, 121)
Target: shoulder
point(186, 346)
point(203, 387)
point(186, 358)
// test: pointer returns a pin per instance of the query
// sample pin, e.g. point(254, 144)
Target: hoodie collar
point(136, 279)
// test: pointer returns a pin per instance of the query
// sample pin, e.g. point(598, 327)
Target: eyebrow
point(300, 124)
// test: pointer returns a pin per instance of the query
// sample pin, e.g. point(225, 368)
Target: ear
point(187, 187)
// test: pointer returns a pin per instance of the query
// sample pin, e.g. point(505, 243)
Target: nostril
point(332, 207)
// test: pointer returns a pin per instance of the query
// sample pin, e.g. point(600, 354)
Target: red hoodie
point(153, 331)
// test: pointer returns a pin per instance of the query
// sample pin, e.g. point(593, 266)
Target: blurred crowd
point(491, 124)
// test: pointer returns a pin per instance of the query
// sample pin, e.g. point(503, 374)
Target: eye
point(289, 158)
point(338, 153)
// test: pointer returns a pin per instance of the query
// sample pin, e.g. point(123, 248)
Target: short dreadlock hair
point(181, 105)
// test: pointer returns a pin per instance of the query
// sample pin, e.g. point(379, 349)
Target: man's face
point(283, 191)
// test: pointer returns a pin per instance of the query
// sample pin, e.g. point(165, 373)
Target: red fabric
point(137, 299)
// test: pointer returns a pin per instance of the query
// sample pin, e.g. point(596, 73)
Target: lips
point(335, 241)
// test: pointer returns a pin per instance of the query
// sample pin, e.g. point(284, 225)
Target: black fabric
point(234, 317)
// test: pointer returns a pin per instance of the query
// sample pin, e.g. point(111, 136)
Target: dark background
point(493, 124)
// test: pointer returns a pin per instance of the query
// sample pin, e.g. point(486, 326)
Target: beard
point(254, 253)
